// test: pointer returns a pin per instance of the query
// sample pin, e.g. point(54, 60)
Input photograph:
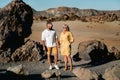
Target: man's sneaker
point(50, 68)
point(56, 66)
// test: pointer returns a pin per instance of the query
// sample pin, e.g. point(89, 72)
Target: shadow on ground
point(7, 75)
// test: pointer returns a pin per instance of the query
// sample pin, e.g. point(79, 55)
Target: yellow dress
point(65, 40)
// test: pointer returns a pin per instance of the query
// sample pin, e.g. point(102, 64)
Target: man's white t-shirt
point(49, 36)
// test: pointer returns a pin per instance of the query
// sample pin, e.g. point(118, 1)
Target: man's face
point(49, 26)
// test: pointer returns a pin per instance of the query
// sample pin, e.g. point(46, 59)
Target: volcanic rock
point(5, 56)
point(49, 73)
point(31, 51)
point(15, 24)
point(85, 74)
point(112, 73)
point(20, 69)
point(93, 50)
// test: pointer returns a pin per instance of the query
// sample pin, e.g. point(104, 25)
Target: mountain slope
point(72, 13)
point(79, 12)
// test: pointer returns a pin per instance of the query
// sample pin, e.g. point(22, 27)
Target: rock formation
point(15, 24)
point(93, 50)
point(85, 74)
point(112, 73)
point(49, 73)
point(20, 69)
point(31, 51)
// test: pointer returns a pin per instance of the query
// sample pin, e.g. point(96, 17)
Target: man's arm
point(58, 43)
point(43, 43)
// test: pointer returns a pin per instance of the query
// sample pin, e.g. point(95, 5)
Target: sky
point(40, 5)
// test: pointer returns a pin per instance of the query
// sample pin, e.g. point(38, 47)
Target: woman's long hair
point(67, 26)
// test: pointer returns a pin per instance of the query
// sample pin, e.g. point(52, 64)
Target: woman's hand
point(58, 45)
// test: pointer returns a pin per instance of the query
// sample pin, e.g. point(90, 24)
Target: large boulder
point(19, 69)
point(92, 50)
point(85, 74)
point(47, 74)
point(15, 24)
point(31, 51)
point(112, 73)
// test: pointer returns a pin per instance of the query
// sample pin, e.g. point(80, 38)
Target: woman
point(66, 39)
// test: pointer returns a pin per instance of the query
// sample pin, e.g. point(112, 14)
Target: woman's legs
point(70, 62)
point(65, 60)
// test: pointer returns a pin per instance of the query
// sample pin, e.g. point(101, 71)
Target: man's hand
point(58, 45)
point(44, 48)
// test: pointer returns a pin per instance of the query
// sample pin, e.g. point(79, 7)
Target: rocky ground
point(107, 33)
point(36, 68)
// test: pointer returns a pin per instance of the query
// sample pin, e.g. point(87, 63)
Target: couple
point(50, 40)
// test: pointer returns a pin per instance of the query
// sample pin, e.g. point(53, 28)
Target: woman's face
point(64, 28)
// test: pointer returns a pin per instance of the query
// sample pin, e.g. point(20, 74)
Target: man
point(50, 40)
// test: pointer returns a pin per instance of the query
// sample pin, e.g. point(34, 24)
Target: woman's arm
point(71, 38)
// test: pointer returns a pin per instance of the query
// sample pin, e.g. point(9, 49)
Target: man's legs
point(55, 59)
point(49, 57)
point(55, 51)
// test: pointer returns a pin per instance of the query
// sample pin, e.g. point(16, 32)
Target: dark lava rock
point(31, 51)
point(93, 50)
point(15, 24)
